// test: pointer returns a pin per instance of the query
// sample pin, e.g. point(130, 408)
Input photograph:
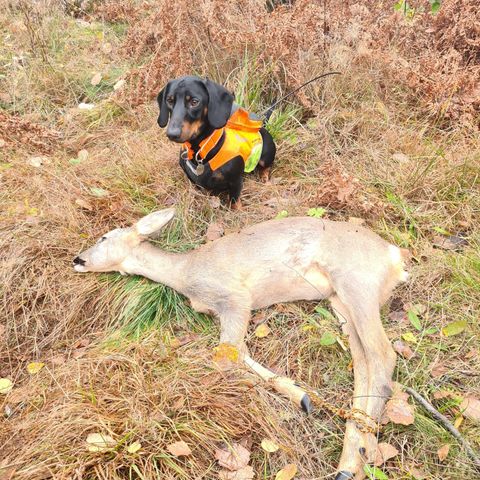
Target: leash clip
point(200, 166)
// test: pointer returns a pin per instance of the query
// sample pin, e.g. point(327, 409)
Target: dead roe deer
point(296, 258)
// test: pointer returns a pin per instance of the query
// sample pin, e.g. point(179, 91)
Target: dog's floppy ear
point(162, 104)
point(219, 104)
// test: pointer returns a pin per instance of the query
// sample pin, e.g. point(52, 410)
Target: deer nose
point(78, 261)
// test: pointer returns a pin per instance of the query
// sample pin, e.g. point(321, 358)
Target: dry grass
point(365, 144)
point(149, 393)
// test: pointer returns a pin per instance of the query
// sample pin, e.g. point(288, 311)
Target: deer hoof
point(306, 404)
point(343, 475)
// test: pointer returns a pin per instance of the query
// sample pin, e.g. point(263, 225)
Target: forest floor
point(392, 142)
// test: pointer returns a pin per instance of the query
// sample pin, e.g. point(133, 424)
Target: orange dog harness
point(242, 137)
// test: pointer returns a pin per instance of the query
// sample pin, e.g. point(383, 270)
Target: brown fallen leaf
point(451, 242)
point(258, 318)
point(269, 445)
point(403, 349)
point(417, 308)
point(439, 394)
point(233, 458)
point(214, 231)
point(245, 473)
point(84, 204)
point(416, 473)
point(100, 442)
point(179, 449)
point(82, 342)
point(134, 447)
point(345, 192)
point(178, 342)
point(438, 369)
point(79, 353)
point(470, 408)
point(398, 316)
point(20, 395)
point(473, 353)
point(397, 409)
point(96, 79)
point(442, 452)
point(384, 452)
point(287, 472)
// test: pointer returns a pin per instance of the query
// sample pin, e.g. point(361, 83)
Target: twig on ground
point(446, 423)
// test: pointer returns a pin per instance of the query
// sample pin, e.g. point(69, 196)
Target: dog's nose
point(78, 261)
point(174, 134)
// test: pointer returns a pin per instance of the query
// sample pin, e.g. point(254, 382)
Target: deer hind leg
point(354, 444)
point(233, 328)
point(379, 355)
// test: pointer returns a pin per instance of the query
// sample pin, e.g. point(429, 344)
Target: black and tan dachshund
point(220, 140)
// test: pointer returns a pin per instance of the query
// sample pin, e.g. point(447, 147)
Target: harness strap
point(240, 132)
point(205, 145)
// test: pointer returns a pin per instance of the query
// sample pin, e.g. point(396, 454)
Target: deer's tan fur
point(298, 258)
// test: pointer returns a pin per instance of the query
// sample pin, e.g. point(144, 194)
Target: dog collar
point(206, 146)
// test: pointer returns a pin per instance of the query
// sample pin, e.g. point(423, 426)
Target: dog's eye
point(101, 239)
point(194, 102)
point(170, 100)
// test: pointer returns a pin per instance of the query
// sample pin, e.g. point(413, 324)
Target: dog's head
point(190, 105)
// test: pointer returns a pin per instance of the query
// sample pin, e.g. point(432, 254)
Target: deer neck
point(157, 265)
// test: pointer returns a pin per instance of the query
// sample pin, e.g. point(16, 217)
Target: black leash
point(268, 112)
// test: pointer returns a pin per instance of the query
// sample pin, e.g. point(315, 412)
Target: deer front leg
point(354, 443)
point(233, 328)
point(234, 320)
point(284, 385)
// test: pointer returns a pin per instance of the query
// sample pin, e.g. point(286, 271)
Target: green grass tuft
point(142, 305)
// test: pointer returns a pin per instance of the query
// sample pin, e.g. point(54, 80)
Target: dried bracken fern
point(434, 57)
point(17, 131)
point(181, 40)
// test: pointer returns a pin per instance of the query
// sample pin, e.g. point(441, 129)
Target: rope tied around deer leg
point(364, 422)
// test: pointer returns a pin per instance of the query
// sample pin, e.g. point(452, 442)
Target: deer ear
point(154, 222)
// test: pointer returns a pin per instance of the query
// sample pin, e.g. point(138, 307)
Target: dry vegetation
point(394, 140)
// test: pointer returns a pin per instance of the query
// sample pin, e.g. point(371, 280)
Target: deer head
point(113, 248)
